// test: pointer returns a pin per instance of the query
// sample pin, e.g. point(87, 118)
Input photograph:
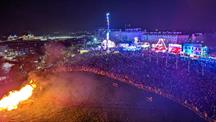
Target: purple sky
point(72, 15)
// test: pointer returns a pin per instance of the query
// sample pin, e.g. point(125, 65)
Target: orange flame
point(11, 101)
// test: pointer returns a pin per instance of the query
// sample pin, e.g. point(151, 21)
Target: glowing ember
point(11, 101)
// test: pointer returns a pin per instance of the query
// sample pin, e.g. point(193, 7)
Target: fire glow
point(11, 101)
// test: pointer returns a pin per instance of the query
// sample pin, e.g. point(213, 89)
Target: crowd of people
point(189, 82)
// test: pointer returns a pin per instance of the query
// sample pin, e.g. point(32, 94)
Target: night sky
point(72, 15)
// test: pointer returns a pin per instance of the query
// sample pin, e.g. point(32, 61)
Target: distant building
point(152, 37)
point(3, 50)
point(12, 37)
point(195, 49)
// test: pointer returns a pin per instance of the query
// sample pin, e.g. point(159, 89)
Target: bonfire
point(15, 97)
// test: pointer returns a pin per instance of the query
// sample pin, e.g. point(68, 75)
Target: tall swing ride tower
point(108, 26)
point(107, 43)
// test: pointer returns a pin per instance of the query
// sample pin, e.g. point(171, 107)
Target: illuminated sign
point(175, 48)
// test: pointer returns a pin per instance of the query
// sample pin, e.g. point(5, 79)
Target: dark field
point(88, 97)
